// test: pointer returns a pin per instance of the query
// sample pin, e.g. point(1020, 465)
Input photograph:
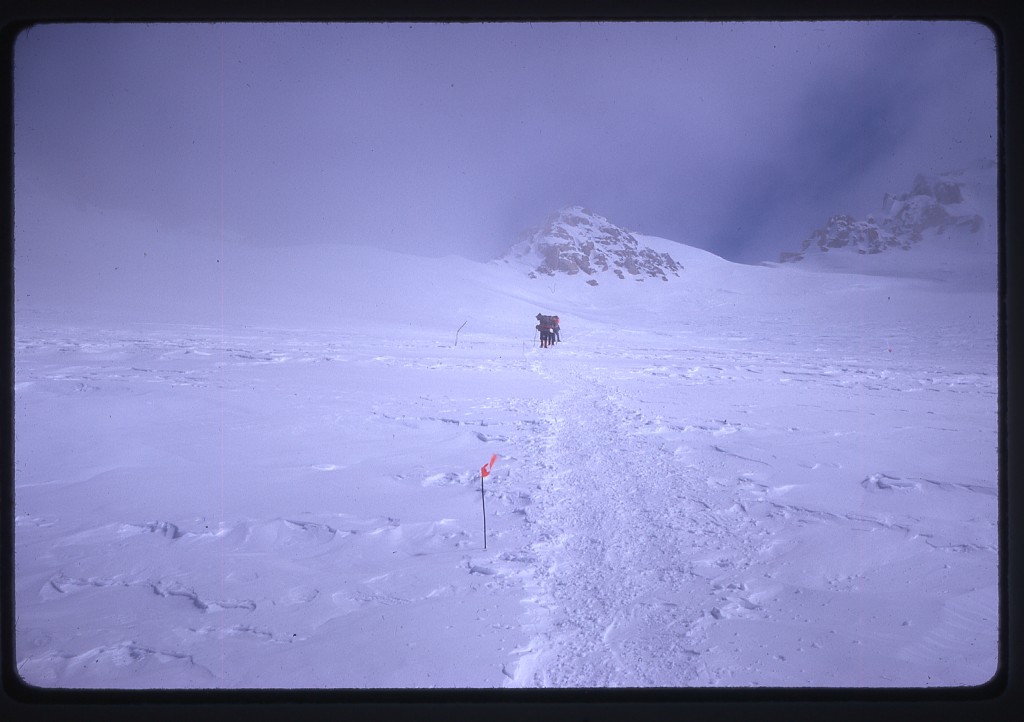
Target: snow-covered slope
point(261, 469)
point(943, 228)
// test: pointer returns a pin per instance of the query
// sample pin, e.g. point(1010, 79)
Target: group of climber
point(550, 331)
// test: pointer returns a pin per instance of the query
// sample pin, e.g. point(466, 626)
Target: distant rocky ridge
point(575, 240)
point(935, 204)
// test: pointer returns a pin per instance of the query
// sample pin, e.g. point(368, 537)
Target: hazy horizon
point(436, 139)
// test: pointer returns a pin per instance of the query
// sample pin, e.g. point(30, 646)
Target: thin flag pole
point(485, 470)
point(483, 506)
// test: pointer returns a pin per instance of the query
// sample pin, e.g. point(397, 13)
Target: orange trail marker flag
point(485, 470)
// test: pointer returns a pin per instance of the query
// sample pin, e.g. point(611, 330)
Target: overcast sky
point(451, 138)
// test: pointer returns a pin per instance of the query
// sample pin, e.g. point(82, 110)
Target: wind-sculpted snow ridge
point(575, 240)
point(945, 204)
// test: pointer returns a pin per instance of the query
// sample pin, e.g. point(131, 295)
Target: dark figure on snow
point(547, 330)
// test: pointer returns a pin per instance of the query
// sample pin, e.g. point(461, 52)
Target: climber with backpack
point(546, 326)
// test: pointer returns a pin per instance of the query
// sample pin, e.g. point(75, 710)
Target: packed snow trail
point(628, 541)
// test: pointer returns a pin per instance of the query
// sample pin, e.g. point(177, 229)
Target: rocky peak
point(575, 240)
point(843, 231)
point(934, 204)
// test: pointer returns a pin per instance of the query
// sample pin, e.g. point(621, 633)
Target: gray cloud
point(445, 138)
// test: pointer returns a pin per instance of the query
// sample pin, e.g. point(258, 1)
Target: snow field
point(253, 511)
point(751, 477)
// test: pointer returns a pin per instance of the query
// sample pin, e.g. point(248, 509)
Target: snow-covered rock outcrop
point(575, 240)
point(935, 206)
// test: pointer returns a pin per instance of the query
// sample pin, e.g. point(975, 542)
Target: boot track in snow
point(629, 546)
